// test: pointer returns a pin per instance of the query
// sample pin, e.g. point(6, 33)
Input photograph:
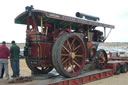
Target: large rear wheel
point(68, 55)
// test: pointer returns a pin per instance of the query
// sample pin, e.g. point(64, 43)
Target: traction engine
point(62, 42)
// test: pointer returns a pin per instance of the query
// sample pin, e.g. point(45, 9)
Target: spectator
point(14, 59)
point(2, 72)
point(4, 53)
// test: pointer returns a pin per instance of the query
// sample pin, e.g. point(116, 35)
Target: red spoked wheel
point(101, 60)
point(68, 55)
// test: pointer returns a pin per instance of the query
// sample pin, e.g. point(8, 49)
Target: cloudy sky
point(114, 12)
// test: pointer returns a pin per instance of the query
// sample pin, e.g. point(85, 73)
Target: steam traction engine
point(62, 42)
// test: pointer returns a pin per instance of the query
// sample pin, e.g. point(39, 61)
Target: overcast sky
point(114, 12)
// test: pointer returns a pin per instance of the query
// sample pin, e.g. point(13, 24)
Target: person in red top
point(4, 53)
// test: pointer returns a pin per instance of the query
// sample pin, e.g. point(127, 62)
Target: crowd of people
point(13, 54)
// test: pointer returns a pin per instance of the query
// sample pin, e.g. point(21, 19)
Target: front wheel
point(101, 59)
point(68, 55)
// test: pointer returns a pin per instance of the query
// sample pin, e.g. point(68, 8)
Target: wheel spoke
point(69, 44)
point(76, 63)
point(79, 56)
point(72, 67)
point(76, 51)
point(65, 54)
point(73, 42)
point(77, 47)
point(66, 60)
point(63, 59)
point(66, 49)
point(102, 60)
point(76, 60)
point(63, 51)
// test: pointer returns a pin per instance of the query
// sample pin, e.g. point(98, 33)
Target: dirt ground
point(121, 79)
point(24, 71)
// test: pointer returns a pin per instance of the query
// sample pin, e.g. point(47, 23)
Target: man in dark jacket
point(14, 59)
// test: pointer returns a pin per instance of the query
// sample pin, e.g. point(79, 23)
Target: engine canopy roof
point(53, 18)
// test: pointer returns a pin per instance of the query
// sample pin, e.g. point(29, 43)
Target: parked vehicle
point(62, 42)
point(21, 53)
